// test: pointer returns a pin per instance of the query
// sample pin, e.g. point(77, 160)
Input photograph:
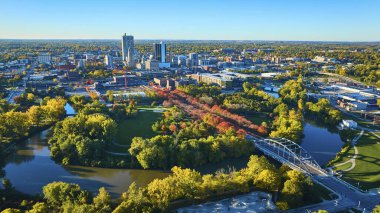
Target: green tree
point(57, 193)
point(103, 199)
point(39, 207)
point(376, 209)
point(268, 179)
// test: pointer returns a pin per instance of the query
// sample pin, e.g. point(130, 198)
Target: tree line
point(187, 143)
point(290, 187)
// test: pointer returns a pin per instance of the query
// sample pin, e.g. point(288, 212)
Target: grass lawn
point(343, 167)
point(258, 118)
point(139, 126)
point(367, 169)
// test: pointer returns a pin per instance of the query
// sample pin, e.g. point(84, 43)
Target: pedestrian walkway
point(353, 159)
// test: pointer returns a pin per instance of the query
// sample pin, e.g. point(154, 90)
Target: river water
point(30, 167)
point(320, 142)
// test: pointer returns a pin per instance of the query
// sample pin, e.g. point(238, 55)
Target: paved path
point(121, 145)
point(118, 153)
point(353, 159)
point(349, 197)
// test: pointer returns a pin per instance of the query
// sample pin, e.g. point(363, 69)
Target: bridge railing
point(290, 150)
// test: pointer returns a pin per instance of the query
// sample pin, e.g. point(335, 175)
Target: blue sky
point(332, 20)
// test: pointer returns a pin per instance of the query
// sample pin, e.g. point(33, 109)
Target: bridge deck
point(349, 195)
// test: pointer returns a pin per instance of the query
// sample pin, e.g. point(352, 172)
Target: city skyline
point(211, 20)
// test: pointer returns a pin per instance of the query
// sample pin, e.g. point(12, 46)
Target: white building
point(89, 56)
point(194, 59)
point(320, 59)
point(44, 58)
point(152, 65)
point(349, 124)
point(108, 61)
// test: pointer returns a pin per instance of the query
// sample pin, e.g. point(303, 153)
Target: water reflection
point(322, 143)
point(30, 168)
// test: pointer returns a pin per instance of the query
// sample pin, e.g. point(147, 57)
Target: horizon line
point(181, 39)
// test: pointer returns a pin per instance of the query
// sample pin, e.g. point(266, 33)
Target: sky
point(297, 20)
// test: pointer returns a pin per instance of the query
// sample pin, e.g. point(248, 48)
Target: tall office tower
point(159, 52)
point(130, 58)
point(194, 59)
point(128, 48)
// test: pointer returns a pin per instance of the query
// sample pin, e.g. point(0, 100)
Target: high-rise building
point(159, 52)
point(128, 49)
point(194, 59)
point(108, 61)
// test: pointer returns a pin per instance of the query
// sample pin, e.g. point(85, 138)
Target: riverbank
point(365, 174)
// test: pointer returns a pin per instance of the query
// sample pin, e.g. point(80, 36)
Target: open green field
point(344, 167)
point(139, 126)
point(367, 169)
point(258, 118)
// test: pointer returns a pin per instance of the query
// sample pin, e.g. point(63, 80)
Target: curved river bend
point(30, 167)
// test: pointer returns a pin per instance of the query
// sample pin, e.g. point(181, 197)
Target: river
point(30, 167)
point(320, 142)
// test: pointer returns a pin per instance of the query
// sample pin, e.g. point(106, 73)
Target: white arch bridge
point(289, 153)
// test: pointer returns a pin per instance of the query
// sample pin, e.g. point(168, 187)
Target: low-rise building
point(217, 79)
point(349, 124)
point(44, 58)
point(152, 65)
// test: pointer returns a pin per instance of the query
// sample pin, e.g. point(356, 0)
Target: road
point(348, 196)
point(14, 93)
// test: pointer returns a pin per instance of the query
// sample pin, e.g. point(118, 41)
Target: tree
point(39, 207)
point(376, 209)
point(55, 108)
point(321, 211)
point(82, 139)
point(292, 191)
point(256, 165)
point(293, 91)
point(160, 193)
point(78, 100)
point(36, 115)
point(103, 199)
point(10, 210)
point(14, 125)
point(57, 193)
point(268, 179)
point(93, 96)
